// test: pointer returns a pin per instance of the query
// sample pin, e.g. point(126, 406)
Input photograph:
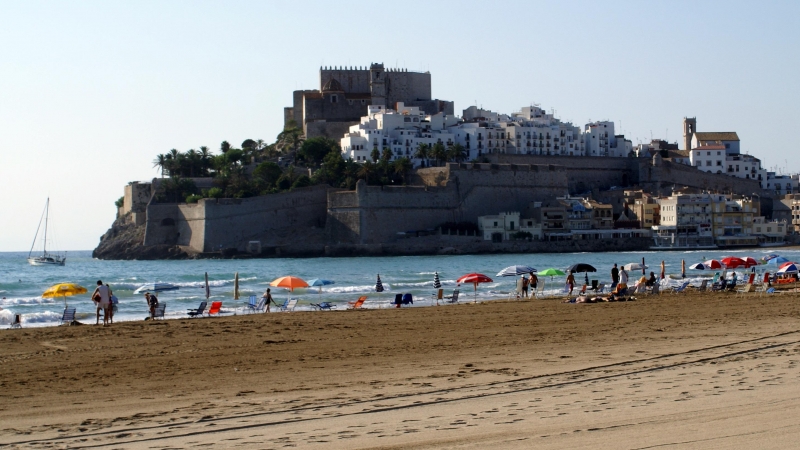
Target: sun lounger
point(68, 317)
point(539, 292)
point(439, 295)
point(655, 289)
point(452, 298)
point(323, 306)
point(289, 305)
point(160, 309)
point(199, 311)
point(215, 309)
point(749, 287)
point(703, 286)
point(254, 306)
point(680, 288)
point(357, 304)
point(17, 322)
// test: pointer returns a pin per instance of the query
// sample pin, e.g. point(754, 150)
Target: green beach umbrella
point(551, 272)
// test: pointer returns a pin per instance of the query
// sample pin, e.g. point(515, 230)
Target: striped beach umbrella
point(788, 268)
point(436, 283)
point(379, 285)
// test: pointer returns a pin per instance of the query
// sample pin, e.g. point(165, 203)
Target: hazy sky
point(90, 92)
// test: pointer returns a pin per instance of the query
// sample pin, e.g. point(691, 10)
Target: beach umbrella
point(475, 279)
point(788, 268)
point(64, 290)
point(788, 263)
point(713, 264)
point(436, 283)
point(319, 282)
point(207, 289)
point(379, 285)
point(236, 286)
point(768, 257)
point(643, 265)
point(749, 261)
point(662, 269)
point(513, 271)
point(732, 262)
point(699, 266)
point(777, 261)
point(683, 268)
point(633, 266)
point(586, 268)
point(289, 282)
point(551, 272)
point(156, 287)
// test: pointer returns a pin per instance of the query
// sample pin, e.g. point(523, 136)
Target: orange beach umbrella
point(289, 282)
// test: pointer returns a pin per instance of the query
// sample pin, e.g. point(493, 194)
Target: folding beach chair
point(199, 311)
point(539, 292)
point(408, 299)
point(68, 317)
point(17, 323)
point(703, 286)
point(439, 295)
point(656, 289)
point(680, 288)
point(215, 309)
point(159, 311)
point(254, 306)
point(323, 306)
point(452, 298)
point(289, 305)
point(398, 300)
point(357, 304)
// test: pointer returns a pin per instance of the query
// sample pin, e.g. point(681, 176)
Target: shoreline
point(514, 374)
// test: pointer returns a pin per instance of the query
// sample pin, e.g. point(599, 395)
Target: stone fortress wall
point(307, 220)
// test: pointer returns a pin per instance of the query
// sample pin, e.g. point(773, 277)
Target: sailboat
point(45, 259)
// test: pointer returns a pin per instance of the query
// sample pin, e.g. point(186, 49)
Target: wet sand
point(678, 371)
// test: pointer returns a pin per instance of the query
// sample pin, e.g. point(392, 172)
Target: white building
point(503, 226)
point(773, 232)
point(601, 140)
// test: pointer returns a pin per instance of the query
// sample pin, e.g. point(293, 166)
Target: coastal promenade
point(683, 371)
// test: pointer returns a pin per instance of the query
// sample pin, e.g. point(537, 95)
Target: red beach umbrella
point(713, 264)
point(732, 262)
point(474, 278)
point(749, 261)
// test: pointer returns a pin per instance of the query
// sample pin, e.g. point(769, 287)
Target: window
point(718, 153)
point(334, 98)
point(719, 163)
point(708, 163)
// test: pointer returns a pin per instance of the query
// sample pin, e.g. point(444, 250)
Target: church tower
point(689, 129)
point(377, 84)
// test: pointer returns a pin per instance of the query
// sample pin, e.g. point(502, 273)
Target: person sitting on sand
point(652, 280)
point(571, 282)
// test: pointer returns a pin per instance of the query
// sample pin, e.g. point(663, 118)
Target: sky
point(91, 91)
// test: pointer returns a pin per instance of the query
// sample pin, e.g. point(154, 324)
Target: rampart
point(374, 214)
point(293, 221)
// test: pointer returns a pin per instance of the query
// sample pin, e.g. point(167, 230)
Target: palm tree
point(387, 154)
point(456, 152)
point(160, 162)
point(423, 152)
point(205, 160)
point(289, 139)
point(402, 166)
point(439, 153)
point(375, 155)
point(367, 171)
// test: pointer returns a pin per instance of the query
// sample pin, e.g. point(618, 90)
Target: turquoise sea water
point(21, 285)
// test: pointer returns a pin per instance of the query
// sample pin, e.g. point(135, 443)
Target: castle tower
point(689, 129)
point(377, 84)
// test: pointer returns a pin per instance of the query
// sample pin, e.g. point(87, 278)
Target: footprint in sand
point(51, 345)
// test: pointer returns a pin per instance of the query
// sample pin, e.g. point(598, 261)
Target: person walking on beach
point(152, 302)
point(571, 282)
point(110, 304)
point(524, 286)
point(268, 299)
point(102, 299)
point(614, 277)
point(533, 283)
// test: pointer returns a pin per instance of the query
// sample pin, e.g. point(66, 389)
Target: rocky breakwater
point(125, 240)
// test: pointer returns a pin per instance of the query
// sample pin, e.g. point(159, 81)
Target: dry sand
point(676, 371)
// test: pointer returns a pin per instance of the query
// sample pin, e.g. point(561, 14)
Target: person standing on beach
point(102, 298)
point(110, 304)
point(524, 287)
point(268, 299)
point(152, 302)
point(533, 283)
point(571, 282)
point(623, 278)
point(614, 277)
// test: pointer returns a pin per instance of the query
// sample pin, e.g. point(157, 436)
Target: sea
point(22, 285)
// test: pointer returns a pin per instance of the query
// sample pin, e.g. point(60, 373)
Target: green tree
point(402, 166)
point(266, 175)
point(314, 150)
point(438, 153)
point(224, 147)
point(387, 154)
point(301, 181)
point(161, 162)
point(368, 171)
point(423, 152)
point(456, 153)
point(375, 155)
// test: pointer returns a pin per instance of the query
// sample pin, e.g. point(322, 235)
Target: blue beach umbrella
point(777, 261)
point(319, 282)
point(514, 271)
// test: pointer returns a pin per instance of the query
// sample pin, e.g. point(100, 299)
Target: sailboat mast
point(46, 219)
point(38, 227)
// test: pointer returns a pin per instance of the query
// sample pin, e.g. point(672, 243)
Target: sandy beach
point(676, 371)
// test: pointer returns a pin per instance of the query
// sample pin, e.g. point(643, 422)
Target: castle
point(345, 93)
